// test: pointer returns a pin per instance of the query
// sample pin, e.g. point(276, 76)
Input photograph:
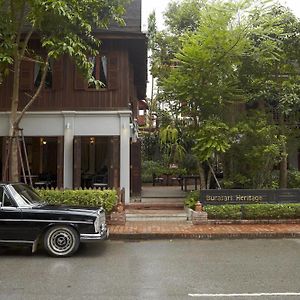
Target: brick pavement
point(172, 230)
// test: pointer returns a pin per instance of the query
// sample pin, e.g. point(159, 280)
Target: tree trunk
point(283, 169)
point(13, 131)
point(202, 177)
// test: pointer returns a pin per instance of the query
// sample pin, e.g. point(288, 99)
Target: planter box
point(117, 218)
point(199, 217)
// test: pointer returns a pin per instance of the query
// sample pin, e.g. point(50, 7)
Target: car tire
point(61, 241)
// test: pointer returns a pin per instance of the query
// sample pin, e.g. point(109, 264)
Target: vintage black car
point(26, 220)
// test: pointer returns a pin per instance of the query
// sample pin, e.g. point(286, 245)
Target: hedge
point(247, 211)
point(253, 211)
point(95, 198)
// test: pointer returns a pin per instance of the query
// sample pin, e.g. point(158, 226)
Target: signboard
point(241, 196)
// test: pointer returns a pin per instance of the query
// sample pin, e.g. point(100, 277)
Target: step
point(155, 206)
point(155, 215)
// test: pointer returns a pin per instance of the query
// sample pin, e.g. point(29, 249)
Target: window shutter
point(57, 74)
point(113, 69)
point(79, 82)
point(26, 75)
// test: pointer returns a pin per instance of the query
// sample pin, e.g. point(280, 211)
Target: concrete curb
point(203, 236)
point(258, 222)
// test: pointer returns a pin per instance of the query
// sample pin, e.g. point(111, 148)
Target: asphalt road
point(178, 269)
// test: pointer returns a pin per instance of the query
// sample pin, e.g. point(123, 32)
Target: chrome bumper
point(93, 237)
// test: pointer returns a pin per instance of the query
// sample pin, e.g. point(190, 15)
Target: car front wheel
point(61, 241)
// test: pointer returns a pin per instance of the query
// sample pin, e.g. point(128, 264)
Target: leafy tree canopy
point(63, 27)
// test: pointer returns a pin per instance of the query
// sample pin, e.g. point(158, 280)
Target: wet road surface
point(165, 269)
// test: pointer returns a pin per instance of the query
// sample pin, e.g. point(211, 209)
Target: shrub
point(222, 212)
point(253, 211)
point(270, 211)
point(95, 198)
point(149, 168)
point(191, 199)
point(294, 179)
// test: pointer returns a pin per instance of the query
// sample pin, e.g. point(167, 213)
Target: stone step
point(155, 215)
point(155, 206)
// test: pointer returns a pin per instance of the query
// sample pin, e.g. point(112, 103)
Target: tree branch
point(27, 106)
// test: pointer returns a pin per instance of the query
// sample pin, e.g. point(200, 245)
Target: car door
point(10, 218)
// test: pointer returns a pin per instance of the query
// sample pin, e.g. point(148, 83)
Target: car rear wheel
point(61, 241)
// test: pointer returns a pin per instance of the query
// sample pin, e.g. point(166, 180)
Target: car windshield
point(25, 195)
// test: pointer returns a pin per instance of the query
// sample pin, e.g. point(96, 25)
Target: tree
point(270, 73)
point(203, 82)
point(62, 27)
point(234, 56)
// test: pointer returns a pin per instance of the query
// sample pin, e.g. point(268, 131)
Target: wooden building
point(77, 135)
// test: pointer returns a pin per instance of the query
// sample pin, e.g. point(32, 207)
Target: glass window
point(99, 70)
point(38, 74)
point(7, 201)
point(1, 195)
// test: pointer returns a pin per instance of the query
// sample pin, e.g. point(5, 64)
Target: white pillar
point(68, 149)
point(125, 156)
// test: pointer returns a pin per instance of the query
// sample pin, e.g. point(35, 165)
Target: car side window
point(1, 196)
point(7, 201)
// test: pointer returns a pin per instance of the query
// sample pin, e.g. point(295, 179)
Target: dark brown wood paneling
point(58, 74)
point(113, 70)
point(77, 162)
point(79, 81)
point(69, 91)
point(26, 75)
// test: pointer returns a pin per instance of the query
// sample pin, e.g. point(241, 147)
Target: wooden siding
point(64, 96)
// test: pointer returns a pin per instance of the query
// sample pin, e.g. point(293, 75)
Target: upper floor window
point(105, 68)
point(99, 70)
point(37, 75)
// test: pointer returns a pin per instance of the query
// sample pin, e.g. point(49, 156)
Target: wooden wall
point(68, 90)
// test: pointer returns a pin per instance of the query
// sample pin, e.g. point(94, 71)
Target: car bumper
point(93, 237)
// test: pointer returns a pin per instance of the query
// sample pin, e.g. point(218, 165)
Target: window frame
point(98, 63)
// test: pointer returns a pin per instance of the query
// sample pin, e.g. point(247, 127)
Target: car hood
point(70, 210)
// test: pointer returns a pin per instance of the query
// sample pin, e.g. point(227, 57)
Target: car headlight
point(97, 224)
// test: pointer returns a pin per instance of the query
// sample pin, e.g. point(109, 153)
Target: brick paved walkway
point(159, 230)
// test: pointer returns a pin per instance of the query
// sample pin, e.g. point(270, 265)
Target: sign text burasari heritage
point(247, 196)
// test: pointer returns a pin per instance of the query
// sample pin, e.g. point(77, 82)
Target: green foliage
point(94, 198)
point(63, 27)
point(221, 212)
point(191, 199)
point(236, 181)
point(294, 179)
point(213, 137)
point(253, 212)
point(150, 146)
point(150, 167)
point(170, 144)
point(255, 151)
point(183, 16)
point(271, 211)
point(218, 58)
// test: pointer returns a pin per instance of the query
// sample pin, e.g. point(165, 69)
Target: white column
point(68, 150)
point(125, 156)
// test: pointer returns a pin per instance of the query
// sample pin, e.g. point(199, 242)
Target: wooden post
point(60, 162)
point(114, 162)
point(77, 162)
point(5, 150)
point(135, 169)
